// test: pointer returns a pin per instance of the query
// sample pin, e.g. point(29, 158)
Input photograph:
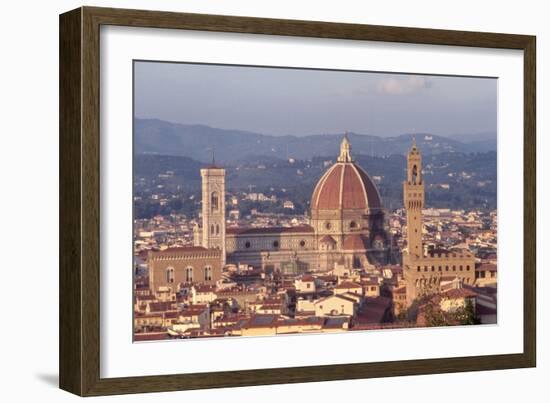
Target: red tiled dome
point(345, 186)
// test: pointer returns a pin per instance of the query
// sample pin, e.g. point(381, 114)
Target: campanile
point(213, 208)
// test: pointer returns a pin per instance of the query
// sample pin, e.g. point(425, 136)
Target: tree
point(435, 316)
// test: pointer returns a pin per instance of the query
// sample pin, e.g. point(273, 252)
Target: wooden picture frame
point(79, 348)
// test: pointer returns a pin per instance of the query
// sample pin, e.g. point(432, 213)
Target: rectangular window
point(208, 273)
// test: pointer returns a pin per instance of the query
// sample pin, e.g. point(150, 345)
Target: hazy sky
point(291, 101)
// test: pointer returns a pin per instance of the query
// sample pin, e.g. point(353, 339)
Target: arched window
point(189, 274)
point(170, 275)
point(414, 175)
point(353, 225)
point(217, 229)
point(212, 229)
point(208, 273)
point(214, 201)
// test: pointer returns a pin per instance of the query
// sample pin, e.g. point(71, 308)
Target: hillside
point(453, 179)
point(152, 136)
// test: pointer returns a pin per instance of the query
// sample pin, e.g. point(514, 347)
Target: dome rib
point(318, 187)
point(370, 188)
point(345, 186)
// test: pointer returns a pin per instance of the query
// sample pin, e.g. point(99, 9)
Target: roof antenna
point(213, 155)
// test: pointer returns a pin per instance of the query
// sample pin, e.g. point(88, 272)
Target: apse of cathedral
point(346, 227)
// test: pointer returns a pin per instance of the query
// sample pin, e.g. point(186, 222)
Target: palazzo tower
point(413, 200)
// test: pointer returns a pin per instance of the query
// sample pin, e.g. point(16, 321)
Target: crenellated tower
point(413, 199)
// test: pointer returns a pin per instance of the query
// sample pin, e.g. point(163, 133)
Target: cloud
point(402, 86)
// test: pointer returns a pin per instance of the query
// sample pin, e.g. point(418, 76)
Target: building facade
point(171, 268)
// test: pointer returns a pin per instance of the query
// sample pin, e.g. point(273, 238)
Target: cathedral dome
point(345, 186)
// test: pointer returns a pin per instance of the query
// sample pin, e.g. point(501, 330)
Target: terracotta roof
point(345, 186)
point(204, 288)
point(177, 252)
point(258, 321)
point(457, 293)
point(184, 249)
point(370, 281)
point(159, 306)
point(268, 230)
point(191, 312)
point(355, 242)
point(374, 310)
point(339, 296)
point(150, 336)
point(347, 284)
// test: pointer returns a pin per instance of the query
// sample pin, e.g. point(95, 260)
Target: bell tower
point(213, 208)
point(413, 200)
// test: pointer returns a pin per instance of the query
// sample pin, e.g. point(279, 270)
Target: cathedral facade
point(347, 224)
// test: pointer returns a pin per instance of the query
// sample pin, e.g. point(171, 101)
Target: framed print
point(250, 201)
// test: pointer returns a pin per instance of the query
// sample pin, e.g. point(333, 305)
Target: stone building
point(171, 268)
point(423, 272)
point(347, 223)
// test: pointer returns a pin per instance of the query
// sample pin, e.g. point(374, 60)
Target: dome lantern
point(345, 150)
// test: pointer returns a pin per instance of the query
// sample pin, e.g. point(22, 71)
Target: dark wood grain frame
point(79, 283)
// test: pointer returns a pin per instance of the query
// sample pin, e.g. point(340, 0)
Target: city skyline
point(345, 264)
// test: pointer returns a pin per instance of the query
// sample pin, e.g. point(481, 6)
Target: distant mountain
point(483, 141)
point(153, 136)
point(147, 164)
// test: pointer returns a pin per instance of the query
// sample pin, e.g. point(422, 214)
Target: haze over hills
point(153, 136)
point(454, 179)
